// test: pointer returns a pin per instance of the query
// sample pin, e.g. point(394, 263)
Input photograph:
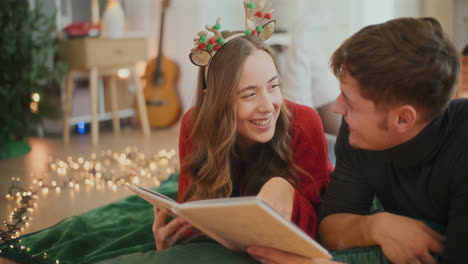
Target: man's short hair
point(402, 61)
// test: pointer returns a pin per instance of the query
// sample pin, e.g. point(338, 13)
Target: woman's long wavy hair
point(214, 163)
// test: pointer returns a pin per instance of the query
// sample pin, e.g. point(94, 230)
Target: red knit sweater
point(310, 151)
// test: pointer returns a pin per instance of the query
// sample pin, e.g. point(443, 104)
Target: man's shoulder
point(458, 108)
point(453, 125)
point(456, 115)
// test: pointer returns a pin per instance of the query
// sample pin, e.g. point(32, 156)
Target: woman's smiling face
point(259, 100)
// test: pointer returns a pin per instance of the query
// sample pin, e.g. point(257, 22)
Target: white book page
point(158, 200)
point(241, 222)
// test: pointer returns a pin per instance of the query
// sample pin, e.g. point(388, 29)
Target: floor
point(53, 207)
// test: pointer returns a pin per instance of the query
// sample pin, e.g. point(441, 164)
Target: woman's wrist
point(279, 194)
point(284, 185)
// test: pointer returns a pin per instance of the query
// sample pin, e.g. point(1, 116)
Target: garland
point(107, 171)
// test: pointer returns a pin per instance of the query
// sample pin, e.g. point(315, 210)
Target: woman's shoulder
point(188, 114)
point(303, 115)
point(186, 122)
point(187, 117)
point(305, 123)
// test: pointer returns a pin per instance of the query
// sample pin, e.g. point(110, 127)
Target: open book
point(239, 222)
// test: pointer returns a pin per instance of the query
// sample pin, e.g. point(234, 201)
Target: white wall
point(408, 8)
point(442, 11)
point(185, 18)
point(460, 26)
point(185, 21)
point(345, 17)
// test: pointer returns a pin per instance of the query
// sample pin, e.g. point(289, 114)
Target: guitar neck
point(158, 71)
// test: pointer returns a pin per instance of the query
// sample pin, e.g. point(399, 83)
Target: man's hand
point(273, 256)
point(167, 234)
point(279, 194)
point(405, 240)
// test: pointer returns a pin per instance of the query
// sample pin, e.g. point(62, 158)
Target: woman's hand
point(274, 256)
point(167, 234)
point(279, 194)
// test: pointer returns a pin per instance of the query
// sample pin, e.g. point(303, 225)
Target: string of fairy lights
point(105, 171)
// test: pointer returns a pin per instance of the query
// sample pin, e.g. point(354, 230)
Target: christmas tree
point(29, 70)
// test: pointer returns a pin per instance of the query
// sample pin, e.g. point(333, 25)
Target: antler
point(200, 34)
point(205, 41)
point(206, 45)
point(215, 29)
point(256, 13)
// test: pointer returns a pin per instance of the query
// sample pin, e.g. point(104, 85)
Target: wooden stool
point(95, 54)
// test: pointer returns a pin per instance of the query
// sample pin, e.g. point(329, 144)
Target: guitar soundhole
point(158, 79)
point(157, 103)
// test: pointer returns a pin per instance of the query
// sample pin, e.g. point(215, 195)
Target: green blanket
point(121, 233)
point(122, 227)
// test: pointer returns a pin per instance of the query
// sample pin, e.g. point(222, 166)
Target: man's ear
point(406, 118)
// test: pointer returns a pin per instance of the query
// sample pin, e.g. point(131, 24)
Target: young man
point(403, 141)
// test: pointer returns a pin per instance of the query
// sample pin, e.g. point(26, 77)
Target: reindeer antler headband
point(257, 22)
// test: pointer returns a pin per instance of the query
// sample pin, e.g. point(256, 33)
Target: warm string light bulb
point(109, 169)
point(35, 97)
point(34, 107)
point(123, 74)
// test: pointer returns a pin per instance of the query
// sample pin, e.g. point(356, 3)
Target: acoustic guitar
point(160, 91)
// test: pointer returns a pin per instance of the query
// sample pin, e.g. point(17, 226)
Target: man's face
point(368, 127)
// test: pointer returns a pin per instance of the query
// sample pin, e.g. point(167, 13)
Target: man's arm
point(274, 256)
point(347, 200)
point(402, 239)
point(345, 221)
point(342, 231)
point(457, 227)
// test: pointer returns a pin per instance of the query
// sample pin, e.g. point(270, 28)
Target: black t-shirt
point(424, 178)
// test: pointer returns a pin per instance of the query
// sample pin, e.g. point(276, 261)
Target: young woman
point(242, 138)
